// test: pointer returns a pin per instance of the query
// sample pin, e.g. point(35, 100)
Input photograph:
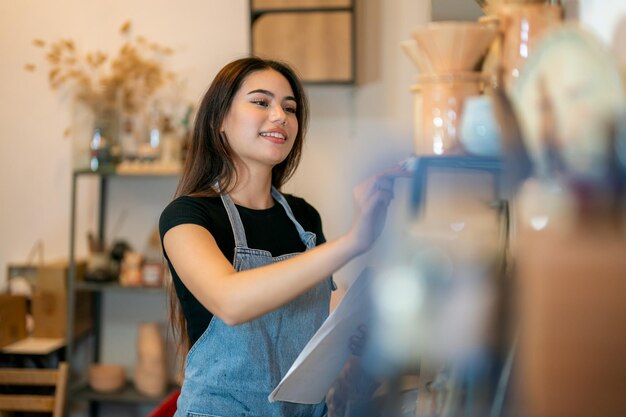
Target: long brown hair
point(210, 158)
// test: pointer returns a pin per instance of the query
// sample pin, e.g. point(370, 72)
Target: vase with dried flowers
point(114, 90)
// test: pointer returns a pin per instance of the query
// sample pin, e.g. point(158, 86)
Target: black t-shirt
point(269, 229)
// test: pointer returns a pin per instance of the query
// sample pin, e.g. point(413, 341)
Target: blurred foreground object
point(437, 297)
point(580, 79)
point(571, 218)
point(573, 339)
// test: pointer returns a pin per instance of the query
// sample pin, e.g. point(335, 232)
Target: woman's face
point(261, 125)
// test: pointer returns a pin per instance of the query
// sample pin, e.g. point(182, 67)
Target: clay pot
point(106, 378)
point(131, 273)
point(150, 370)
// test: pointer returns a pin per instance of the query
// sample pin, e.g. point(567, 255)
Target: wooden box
point(50, 302)
point(315, 36)
point(12, 318)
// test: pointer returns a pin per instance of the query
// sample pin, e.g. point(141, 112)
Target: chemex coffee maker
point(446, 55)
point(455, 60)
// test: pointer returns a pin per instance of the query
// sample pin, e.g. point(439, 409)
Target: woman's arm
point(238, 297)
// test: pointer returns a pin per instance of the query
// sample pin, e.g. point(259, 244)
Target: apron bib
point(231, 370)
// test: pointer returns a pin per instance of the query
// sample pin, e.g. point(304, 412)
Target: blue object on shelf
point(423, 165)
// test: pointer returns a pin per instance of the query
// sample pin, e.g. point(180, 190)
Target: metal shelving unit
point(79, 390)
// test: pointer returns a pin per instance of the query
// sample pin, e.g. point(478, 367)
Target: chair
point(21, 377)
point(167, 407)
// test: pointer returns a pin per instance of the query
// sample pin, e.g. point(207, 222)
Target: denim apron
point(231, 370)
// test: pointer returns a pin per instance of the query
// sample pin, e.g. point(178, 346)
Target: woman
point(249, 304)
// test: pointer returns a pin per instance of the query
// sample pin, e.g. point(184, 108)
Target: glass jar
point(522, 26)
point(104, 147)
point(438, 105)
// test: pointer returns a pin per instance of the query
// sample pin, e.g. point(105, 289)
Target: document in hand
point(318, 365)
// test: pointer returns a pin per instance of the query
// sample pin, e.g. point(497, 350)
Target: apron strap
point(235, 221)
point(308, 238)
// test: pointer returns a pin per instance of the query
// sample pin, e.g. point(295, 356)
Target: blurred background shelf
point(128, 395)
point(116, 309)
point(116, 287)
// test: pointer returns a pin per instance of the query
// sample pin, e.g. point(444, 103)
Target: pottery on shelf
point(106, 378)
point(452, 46)
point(150, 370)
point(416, 55)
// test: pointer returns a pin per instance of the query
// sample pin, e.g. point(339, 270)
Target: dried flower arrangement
point(129, 81)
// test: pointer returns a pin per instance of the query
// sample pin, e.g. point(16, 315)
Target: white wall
point(455, 10)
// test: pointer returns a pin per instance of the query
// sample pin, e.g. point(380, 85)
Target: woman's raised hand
point(371, 200)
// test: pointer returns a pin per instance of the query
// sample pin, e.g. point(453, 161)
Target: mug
point(480, 133)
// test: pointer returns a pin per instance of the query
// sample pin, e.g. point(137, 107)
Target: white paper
point(318, 365)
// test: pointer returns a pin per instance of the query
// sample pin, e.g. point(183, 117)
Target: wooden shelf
point(34, 346)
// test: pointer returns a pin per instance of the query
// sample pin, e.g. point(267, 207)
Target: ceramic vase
point(150, 370)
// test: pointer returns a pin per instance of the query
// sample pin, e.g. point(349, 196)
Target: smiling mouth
point(275, 136)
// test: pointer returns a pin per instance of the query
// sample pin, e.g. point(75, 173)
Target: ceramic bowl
point(454, 46)
point(105, 378)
